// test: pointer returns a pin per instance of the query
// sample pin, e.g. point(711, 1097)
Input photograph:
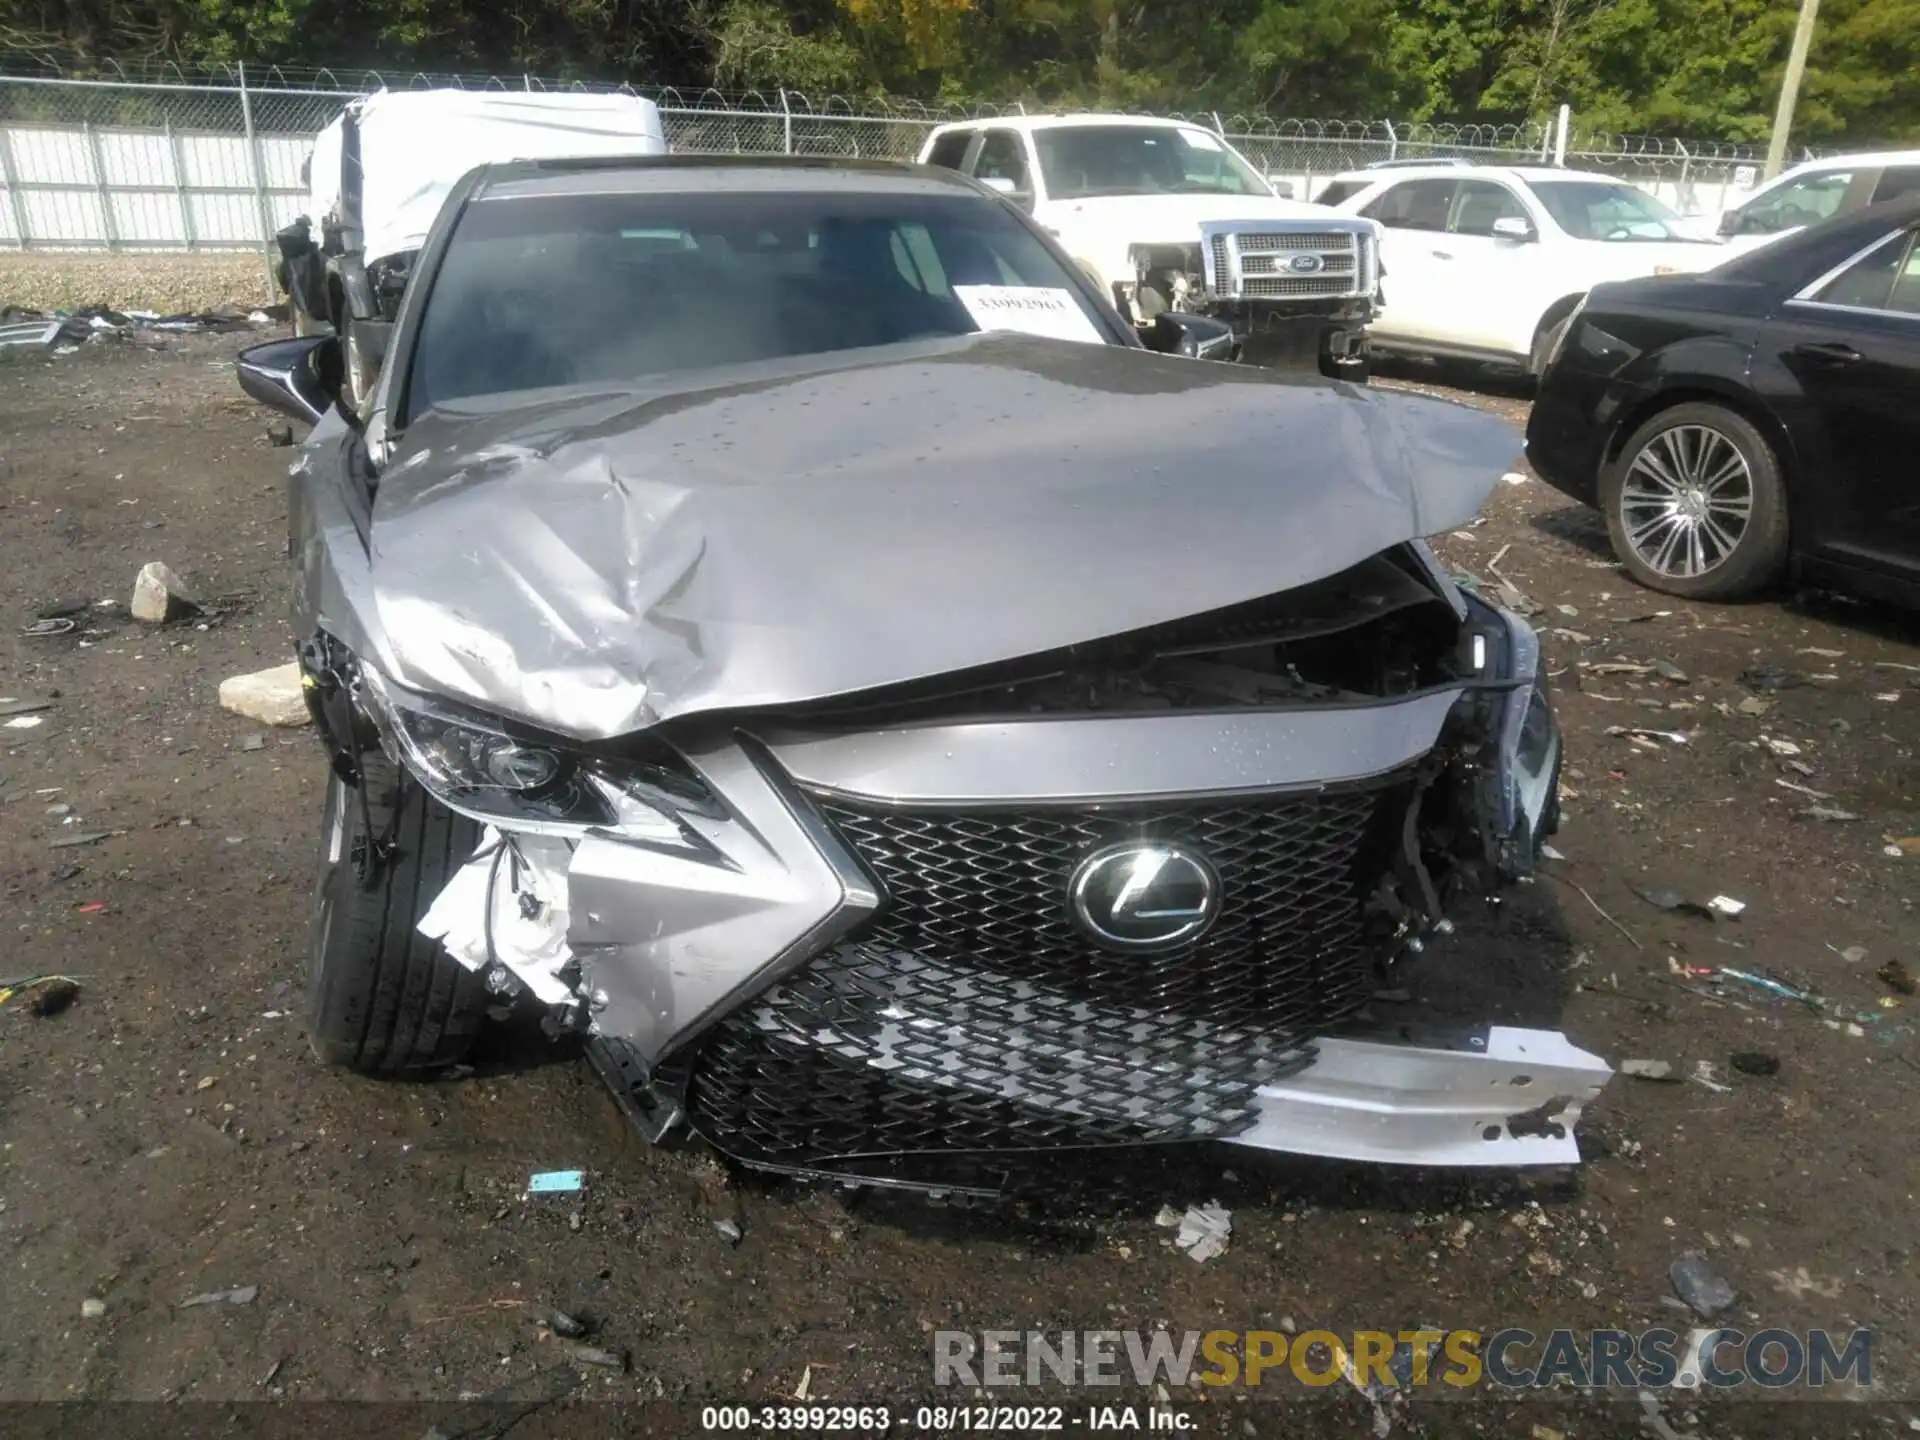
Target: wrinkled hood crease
point(598, 564)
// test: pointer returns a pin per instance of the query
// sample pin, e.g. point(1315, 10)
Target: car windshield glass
point(1080, 161)
point(1589, 210)
point(555, 290)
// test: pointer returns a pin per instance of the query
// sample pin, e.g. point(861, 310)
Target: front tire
point(1695, 505)
point(382, 998)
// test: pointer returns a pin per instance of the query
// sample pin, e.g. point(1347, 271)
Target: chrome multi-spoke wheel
point(1686, 501)
point(1695, 505)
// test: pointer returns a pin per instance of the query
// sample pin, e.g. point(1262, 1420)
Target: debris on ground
point(1652, 1421)
point(1667, 670)
point(556, 1182)
point(159, 595)
point(1727, 906)
point(253, 743)
point(1777, 747)
point(92, 1309)
point(273, 697)
point(280, 436)
point(1673, 900)
point(1896, 977)
point(1697, 1283)
point(1203, 1229)
point(1648, 1069)
point(89, 837)
point(1753, 705)
point(568, 1327)
point(1903, 845)
point(1703, 1075)
point(1771, 986)
point(243, 1295)
point(1771, 677)
point(1831, 814)
point(1755, 1062)
point(24, 722)
point(604, 1359)
point(730, 1228)
point(41, 333)
point(10, 706)
point(1638, 732)
point(45, 995)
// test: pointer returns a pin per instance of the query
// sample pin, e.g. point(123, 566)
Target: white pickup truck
point(1166, 216)
point(379, 172)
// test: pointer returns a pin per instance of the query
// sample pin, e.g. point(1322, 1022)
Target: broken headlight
point(1504, 647)
point(492, 770)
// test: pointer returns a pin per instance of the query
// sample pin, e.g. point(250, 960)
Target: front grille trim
point(948, 1023)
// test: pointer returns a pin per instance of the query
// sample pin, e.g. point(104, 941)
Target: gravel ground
point(171, 1134)
point(168, 282)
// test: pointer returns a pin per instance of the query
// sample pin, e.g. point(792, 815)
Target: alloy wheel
point(1686, 501)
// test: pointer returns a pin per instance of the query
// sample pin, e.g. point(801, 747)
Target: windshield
point(1080, 161)
point(1591, 210)
point(554, 290)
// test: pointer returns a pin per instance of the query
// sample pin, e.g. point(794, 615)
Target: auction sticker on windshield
point(1200, 140)
point(1030, 310)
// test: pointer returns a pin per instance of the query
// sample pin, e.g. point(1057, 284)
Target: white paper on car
point(1029, 310)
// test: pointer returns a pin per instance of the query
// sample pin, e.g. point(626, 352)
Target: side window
point(1480, 203)
point(950, 149)
point(1895, 181)
point(1871, 281)
point(1003, 157)
point(1806, 201)
point(1414, 205)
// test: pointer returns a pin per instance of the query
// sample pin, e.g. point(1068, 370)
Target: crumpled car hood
point(597, 564)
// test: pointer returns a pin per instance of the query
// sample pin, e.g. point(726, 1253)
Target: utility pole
point(1790, 87)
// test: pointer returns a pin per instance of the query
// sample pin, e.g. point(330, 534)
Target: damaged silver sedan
point(778, 622)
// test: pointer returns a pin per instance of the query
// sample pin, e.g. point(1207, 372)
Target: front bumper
point(864, 956)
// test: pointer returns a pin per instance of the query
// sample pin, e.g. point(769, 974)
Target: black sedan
point(1759, 418)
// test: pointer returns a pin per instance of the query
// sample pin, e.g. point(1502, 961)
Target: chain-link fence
point(172, 160)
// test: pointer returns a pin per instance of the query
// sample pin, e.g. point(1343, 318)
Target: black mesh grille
point(989, 889)
point(972, 1014)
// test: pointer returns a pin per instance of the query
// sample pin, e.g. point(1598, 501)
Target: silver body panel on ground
point(1512, 1102)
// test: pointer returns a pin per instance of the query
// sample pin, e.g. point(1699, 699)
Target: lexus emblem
point(1144, 896)
point(1306, 263)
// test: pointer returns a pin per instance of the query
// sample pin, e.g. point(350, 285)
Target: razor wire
point(161, 156)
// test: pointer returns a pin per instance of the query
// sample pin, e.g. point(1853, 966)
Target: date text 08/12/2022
point(942, 1419)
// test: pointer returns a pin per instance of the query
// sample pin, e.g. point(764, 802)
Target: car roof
point(1058, 121)
point(1816, 246)
point(1440, 169)
point(696, 174)
point(1849, 162)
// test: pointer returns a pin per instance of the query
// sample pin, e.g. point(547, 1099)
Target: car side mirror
point(1512, 227)
point(1729, 225)
point(1198, 337)
point(1000, 185)
point(298, 377)
point(1282, 188)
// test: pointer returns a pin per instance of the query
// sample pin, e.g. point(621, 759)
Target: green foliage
point(1708, 68)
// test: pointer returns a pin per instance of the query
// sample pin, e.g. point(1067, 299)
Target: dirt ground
point(170, 1134)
